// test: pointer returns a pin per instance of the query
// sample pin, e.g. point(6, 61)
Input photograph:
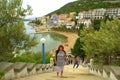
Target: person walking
point(76, 62)
point(60, 60)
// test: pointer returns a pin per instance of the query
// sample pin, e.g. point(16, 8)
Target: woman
point(76, 62)
point(60, 60)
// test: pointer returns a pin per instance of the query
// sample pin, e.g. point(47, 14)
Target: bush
point(104, 43)
point(31, 57)
point(118, 62)
point(2, 74)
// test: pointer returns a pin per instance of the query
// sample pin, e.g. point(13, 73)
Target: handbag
point(54, 64)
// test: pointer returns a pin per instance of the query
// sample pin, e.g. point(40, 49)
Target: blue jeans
point(76, 63)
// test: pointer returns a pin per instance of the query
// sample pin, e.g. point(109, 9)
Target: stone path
point(69, 74)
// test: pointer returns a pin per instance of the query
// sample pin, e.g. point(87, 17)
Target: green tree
point(77, 49)
point(12, 31)
point(103, 43)
point(96, 24)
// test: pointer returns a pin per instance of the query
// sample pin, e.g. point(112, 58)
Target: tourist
point(51, 60)
point(70, 59)
point(91, 61)
point(60, 60)
point(76, 62)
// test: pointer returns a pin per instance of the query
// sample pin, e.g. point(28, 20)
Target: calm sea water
point(52, 39)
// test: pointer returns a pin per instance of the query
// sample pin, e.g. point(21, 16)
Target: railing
point(21, 69)
point(111, 72)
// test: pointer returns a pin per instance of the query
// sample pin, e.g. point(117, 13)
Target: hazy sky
point(43, 7)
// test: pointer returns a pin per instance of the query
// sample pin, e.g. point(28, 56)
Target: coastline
point(72, 37)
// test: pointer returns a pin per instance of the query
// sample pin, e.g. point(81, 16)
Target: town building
point(86, 22)
point(118, 13)
point(72, 15)
point(85, 14)
point(98, 13)
point(70, 24)
point(62, 19)
point(112, 12)
point(54, 18)
point(42, 19)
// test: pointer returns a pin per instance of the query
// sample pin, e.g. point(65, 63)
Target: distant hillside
point(80, 5)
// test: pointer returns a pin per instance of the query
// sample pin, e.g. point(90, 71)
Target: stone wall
point(110, 72)
point(21, 69)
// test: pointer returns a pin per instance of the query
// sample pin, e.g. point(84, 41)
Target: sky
point(43, 7)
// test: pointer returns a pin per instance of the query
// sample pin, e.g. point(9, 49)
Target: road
point(69, 74)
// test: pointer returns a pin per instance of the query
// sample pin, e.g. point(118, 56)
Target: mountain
point(81, 5)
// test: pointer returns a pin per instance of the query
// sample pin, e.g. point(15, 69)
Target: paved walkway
point(69, 74)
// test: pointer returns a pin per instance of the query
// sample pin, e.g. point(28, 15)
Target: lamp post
point(43, 40)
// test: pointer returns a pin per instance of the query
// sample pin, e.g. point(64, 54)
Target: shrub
point(2, 74)
point(32, 57)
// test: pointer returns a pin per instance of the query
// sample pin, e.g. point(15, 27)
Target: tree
point(12, 31)
point(103, 43)
point(96, 24)
point(77, 49)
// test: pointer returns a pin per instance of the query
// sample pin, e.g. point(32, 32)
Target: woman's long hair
point(60, 46)
point(76, 56)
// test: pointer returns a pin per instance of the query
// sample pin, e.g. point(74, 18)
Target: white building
point(112, 12)
point(98, 13)
point(86, 22)
point(85, 14)
point(118, 13)
point(70, 24)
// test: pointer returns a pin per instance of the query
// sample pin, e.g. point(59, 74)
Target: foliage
point(103, 43)
point(38, 22)
point(81, 5)
point(118, 62)
point(31, 57)
point(96, 24)
point(2, 74)
point(12, 31)
point(77, 49)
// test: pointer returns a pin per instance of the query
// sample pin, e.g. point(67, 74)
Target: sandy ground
point(72, 37)
point(69, 74)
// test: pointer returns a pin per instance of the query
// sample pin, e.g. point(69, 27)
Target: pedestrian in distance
point(76, 62)
point(60, 60)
